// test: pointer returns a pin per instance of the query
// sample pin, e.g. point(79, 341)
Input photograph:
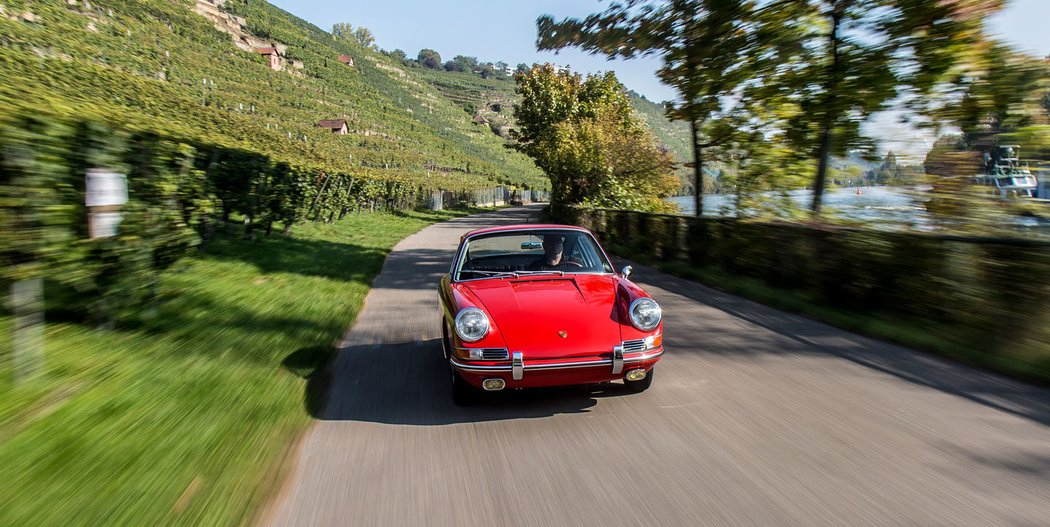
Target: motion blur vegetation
point(769, 86)
point(186, 416)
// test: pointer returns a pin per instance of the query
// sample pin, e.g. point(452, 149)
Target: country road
point(756, 417)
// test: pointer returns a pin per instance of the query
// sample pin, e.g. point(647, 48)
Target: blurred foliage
point(188, 418)
point(584, 134)
point(206, 134)
point(43, 226)
point(803, 74)
point(1000, 90)
point(977, 299)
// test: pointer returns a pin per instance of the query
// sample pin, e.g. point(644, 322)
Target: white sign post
point(105, 192)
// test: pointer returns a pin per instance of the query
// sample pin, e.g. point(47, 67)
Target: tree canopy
point(583, 134)
point(810, 71)
point(429, 58)
point(704, 44)
point(362, 35)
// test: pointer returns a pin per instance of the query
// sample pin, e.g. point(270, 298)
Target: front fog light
point(493, 385)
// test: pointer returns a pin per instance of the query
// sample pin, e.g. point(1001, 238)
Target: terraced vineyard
point(160, 65)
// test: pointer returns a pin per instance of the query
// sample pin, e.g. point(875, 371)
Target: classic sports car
point(540, 305)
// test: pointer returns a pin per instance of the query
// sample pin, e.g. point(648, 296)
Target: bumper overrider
point(521, 372)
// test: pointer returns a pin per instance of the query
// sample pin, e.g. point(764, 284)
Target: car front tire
point(446, 346)
point(463, 394)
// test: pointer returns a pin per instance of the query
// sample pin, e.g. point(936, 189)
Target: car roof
point(524, 227)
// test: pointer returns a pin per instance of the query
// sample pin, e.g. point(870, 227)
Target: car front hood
point(550, 316)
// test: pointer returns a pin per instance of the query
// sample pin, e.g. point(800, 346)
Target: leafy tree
point(465, 63)
point(342, 30)
point(1002, 93)
point(706, 46)
point(429, 58)
point(889, 171)
point(861, 55)
point(522, 68)
point(583, 134)
point(398, 55)
point(454, 66)
point(364, 36)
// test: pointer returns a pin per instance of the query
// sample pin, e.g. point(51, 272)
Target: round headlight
point(472, 324)
point(645, 314)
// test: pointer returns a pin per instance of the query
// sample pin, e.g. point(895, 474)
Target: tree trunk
point(698, 169)
point(830, 109)
point(822, 165)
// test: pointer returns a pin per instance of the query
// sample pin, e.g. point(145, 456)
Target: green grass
point(949, 341)
point(190, 419)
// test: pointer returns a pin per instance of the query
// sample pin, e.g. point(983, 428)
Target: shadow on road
point(408, 384)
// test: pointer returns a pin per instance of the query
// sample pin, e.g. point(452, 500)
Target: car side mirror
point(626, 272)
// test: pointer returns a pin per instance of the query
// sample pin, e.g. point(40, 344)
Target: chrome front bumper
point(518, 366)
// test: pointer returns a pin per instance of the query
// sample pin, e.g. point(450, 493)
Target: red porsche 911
point(541, 305)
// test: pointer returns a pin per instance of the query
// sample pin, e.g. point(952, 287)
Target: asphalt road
point(755, 417)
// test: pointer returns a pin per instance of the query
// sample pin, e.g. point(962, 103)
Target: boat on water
point(1007, 174)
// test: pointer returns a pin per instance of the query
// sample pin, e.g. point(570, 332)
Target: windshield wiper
point(494, 273)
point(551, 271)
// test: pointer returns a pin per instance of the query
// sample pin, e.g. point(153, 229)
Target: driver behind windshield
point(553, 257)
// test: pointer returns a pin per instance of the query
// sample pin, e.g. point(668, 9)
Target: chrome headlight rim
point(634, 321)
point(460, 324)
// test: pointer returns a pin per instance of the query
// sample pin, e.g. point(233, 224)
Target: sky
point(505, 30)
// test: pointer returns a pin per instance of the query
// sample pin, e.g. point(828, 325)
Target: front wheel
point(446, 346)
point(463, 394)
point(642, 385)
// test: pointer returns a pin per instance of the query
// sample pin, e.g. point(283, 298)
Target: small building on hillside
point(272, 55)
point(346, 59)
point(337, 126)
point(480, 119)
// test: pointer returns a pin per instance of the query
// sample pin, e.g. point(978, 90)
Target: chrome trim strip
point(617, 360)
point(553, 365)
point(517, 366)
point(644, 356)
point(568, 365)
point(478, 367)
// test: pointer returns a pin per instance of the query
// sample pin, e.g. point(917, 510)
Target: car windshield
point(520, 253)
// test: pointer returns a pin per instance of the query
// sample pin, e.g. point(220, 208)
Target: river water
point(886, 207)
point(898, 204)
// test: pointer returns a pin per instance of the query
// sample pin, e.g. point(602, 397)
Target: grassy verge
point(952, 342)
point(189, 419)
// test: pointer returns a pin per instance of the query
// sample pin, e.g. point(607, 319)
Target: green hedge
point(990, 296)
point(180, 191)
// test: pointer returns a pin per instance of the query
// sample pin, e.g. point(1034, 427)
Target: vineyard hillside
point(204, 71)
point(493, 99)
